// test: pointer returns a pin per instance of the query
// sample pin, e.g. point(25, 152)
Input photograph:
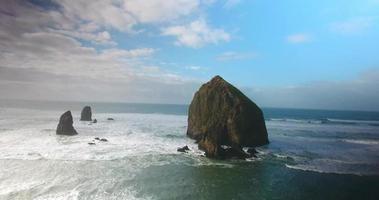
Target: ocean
point(313, 154)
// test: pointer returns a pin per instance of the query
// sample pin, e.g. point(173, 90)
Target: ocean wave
point(327, 121)
point(365, 142)
point(334, 166)
point(304, 121)
point(354, 122)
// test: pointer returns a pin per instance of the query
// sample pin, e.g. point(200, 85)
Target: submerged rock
point(236, 153)
point(252, 151)
point(219, 115)
point(111, 119)
point(86, 114)
point(96, 138)
point(103, 140)
point(65, 126)
point(183, 149)
point(91, 143)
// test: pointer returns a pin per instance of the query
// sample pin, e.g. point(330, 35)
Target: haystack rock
point(65, 125)
point(222, 120)
point(86, 114)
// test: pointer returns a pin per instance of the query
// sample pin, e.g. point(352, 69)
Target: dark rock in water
point(94, 121)
point(232, 152)
point(96, 138)
point(65, 126)
point(252, 151)
point(183, 149)
point(103, 140)
point(91, 143)
point(86, 114)
point(220, 114)
point(110, 119)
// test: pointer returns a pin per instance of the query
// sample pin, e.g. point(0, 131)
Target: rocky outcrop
point(223, 120)
point(65, 126)
point(86, 114)
point(183, 149)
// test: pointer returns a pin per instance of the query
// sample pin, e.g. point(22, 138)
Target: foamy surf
point(364, 142)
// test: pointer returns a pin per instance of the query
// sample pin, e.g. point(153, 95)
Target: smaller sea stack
point(65, 126)
point(86, 114)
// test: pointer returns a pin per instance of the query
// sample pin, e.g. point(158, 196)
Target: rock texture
point(183, 149)
point(65, 126)
point(86, 114)
point(220, 115)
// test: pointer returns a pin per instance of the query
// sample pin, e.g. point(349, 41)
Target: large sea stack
point(86, 114)
point(223, 120)
point(65, 125)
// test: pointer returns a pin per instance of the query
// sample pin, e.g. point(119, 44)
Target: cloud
point(152, 11)
point(90, 21)
point(49, 49)
point(194, 67)
point(36, 85)
point(125, 54)
point(228, 56)
point(352, 26)
point(231, 3)
point(298, 38)
point(360, 93)
point(196, 34)
point(49, 36)
point(103, 37)
point(105, 13)
point(123, 15)
point(59, 54)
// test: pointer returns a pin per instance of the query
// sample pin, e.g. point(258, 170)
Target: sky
point(297, 54)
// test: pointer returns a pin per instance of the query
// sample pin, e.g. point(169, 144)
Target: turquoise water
point(313, 154)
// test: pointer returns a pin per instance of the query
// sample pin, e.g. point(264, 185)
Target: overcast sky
point(301, 54)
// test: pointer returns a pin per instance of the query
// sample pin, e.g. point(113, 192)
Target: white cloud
point(298, 38)
point(49, 39)
point(54, 45)
point(102, 37)
point(196, 34)
point(160, 11)
point(105, 13)
point(125, 54)
point(352, 26)
point(231, 3)
point(194, 67)
point(124, 14)
point(36, 85)
point(230, 55)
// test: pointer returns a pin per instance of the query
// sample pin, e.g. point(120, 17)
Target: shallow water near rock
point(311, 155)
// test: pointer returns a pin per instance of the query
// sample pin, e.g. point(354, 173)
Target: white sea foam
point(303, 121)
point(336, 166)
point(128, 135)
point(365, 122)
point(364, 142)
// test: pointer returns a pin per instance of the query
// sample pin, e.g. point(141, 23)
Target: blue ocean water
point(313, 154)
